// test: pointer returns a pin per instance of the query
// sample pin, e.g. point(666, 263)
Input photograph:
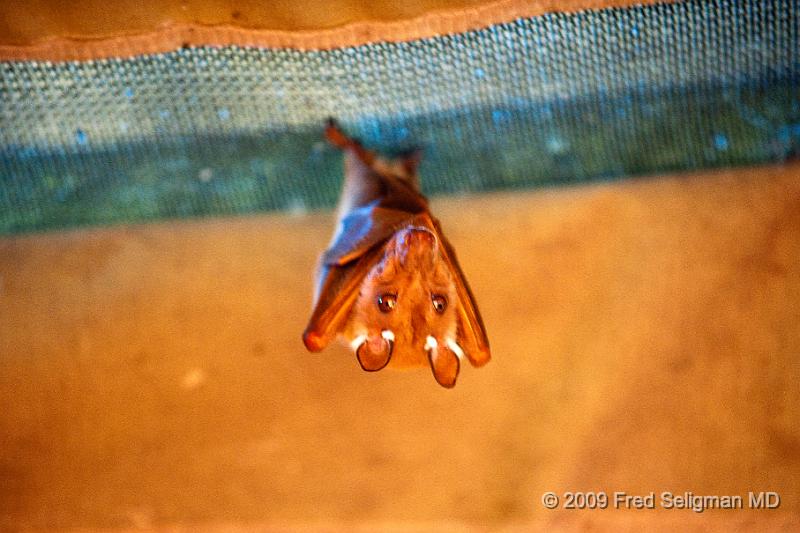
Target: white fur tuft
point(357, 341)
point(430, 343)
point(455, 348)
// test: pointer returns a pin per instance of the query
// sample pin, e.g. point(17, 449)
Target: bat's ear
point(445, 366)
point(374, 354)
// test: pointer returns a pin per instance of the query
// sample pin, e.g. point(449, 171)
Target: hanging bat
point(389, 285)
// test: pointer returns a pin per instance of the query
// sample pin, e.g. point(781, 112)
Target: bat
point(389, 285)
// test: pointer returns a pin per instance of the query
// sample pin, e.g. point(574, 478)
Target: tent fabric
point(644, 337)
point(556, 98)
point(50, 30)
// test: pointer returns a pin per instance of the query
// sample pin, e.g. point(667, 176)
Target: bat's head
point(406, 310)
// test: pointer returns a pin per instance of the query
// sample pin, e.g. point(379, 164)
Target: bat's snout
point(416, 246)
point(419, 237)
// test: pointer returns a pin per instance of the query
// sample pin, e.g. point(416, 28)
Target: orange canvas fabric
point(51, 30)
point(644, 336)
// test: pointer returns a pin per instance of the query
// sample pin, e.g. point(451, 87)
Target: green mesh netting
point(550, 99)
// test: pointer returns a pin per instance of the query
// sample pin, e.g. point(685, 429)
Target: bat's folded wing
point(362, 229)
point(345, 264)
point(338, 293)
point(472, 332)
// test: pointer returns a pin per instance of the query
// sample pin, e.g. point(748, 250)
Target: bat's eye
point(439, 303)
point(387, 302)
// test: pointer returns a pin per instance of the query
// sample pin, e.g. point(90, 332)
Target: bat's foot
point(335, 136)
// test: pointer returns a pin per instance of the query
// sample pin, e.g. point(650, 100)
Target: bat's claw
point(313, 341)
point(335, 136)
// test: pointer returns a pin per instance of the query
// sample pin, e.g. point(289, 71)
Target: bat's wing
point(345, 264)
point(362, 229)
point(338, 292)
point(471, 331)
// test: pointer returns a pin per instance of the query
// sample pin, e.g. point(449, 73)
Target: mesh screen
point(552, 99)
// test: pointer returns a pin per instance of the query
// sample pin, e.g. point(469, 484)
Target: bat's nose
point(416, 247)
point(417, 237)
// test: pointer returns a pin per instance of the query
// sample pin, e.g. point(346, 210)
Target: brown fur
point(414, 318)
point(387, 247)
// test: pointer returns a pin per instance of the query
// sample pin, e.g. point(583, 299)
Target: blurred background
point(621, 184)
